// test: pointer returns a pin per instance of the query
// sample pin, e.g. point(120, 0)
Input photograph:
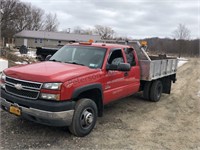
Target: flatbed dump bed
point(155, 67)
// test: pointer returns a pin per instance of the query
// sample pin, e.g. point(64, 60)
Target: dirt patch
point(131, 123)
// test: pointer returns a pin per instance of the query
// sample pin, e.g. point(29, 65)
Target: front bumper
point(53, 117)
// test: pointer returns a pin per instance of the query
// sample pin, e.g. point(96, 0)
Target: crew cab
point(71, 87)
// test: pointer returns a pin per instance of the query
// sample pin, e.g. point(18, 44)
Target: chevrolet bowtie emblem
point(18, 86)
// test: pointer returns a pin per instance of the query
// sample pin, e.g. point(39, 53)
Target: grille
point(24, 83)
point(22, 93)
point(28, 89)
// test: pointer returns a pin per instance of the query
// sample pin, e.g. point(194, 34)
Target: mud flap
point(167, 85)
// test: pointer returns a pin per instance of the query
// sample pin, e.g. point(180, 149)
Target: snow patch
point(3, 64)
point(29, 54)
point(198, 94)
point(21, 63)
point(182, 61)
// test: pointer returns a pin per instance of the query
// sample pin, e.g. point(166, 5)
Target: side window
point(116, 57)
point(130, 56)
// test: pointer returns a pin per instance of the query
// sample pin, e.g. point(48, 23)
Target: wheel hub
point(88, 118)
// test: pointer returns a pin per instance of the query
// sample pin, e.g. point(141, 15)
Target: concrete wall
point(33, 43)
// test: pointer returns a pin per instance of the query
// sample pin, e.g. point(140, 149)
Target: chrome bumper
point(62, 118)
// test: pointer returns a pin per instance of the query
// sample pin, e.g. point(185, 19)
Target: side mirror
point(119, 67)
point(111, 67)
point(124, 67)
point(48, 57)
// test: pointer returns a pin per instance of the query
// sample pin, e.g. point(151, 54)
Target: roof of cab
point(102, 45)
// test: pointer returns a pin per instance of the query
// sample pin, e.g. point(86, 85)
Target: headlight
point(3, 76)
point(50, 96)
point(2, 80)
point(52, 86)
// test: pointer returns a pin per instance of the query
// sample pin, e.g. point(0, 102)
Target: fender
point(98, 101)
point(79, 90)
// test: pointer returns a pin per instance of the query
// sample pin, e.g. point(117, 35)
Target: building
point(44, 39)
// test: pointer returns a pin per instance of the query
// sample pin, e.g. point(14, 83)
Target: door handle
point(126, 74)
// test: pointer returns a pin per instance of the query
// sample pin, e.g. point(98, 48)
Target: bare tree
point(29, 18)
point(24, 18)
point(17, 16)
point(51, 22)
point(182, 33)
point(36, 21)
point(104, 31)
point(8, 16)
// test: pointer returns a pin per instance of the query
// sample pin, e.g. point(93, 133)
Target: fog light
point(50, 96)
point(3, 86)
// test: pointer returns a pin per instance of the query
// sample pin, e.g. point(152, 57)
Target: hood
point(48, 71)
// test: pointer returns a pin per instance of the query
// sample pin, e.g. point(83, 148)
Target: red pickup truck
point(72, 86)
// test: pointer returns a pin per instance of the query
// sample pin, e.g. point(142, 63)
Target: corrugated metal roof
point(57, 35)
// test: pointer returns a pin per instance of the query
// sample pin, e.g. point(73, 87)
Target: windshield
point(80, 55)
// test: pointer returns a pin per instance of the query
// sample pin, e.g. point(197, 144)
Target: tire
point(156, 91)
point(84, 118)
point(146, 90)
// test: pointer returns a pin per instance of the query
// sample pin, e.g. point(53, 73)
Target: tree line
point(174, 46)
point(17, 16)
point(181, 43)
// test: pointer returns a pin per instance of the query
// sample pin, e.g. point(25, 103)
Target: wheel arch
point(91, 91)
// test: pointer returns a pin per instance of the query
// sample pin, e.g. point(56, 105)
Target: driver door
point(114, 87)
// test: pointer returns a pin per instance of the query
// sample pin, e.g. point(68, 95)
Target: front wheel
point(84, 118)
point(156, 91)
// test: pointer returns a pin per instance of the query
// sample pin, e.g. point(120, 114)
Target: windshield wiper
point(54, 60)
point(73, 62)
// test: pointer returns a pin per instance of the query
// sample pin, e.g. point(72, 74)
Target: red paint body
point(114, 84)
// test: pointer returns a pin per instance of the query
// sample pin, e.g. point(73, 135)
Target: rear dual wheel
point(146, 90)
point(156, 91)
point(153, 91)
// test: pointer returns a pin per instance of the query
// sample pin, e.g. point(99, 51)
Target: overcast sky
point(130, 18)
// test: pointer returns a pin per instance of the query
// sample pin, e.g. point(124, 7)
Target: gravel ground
point(131, 123)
